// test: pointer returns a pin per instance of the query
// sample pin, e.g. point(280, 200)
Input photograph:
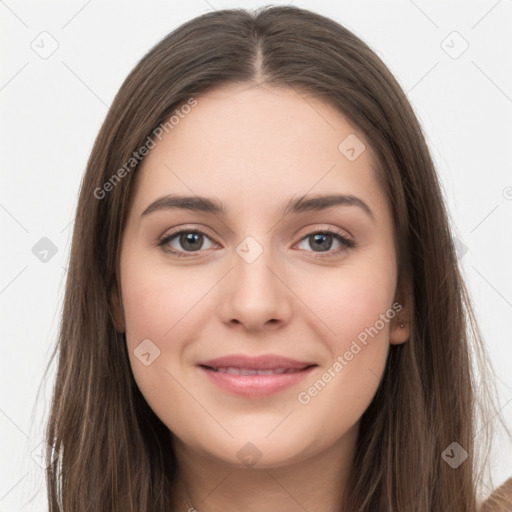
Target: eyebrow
point(293, 206)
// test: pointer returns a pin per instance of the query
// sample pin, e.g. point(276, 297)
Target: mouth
point(233, 370)
point(255, 377)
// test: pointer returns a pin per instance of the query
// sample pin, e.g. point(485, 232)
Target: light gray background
point(52, 109)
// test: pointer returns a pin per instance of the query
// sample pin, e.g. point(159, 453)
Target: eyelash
point(346, 243)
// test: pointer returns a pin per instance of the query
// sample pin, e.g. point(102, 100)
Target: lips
point(263, 362)
point(232, 370)
point(255, 377)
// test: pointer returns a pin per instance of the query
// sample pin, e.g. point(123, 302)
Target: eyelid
point(322, 228)
point(188, 228)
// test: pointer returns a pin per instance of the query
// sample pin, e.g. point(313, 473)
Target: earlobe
point(400, 328)
point(116, 310)
point(400, 331)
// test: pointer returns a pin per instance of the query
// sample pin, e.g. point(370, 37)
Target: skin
point(254, 147)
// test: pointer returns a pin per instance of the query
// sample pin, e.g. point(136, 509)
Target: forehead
point(256, 145)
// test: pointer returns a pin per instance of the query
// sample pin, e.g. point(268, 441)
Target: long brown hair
point(113, 452)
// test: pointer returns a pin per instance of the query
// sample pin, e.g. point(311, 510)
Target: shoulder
point(500, 500)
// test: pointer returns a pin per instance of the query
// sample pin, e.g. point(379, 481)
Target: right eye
point(190, 240)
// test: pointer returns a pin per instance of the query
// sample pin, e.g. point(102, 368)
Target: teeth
point(249, 371)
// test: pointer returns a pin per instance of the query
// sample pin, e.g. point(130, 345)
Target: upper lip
point(263, 362)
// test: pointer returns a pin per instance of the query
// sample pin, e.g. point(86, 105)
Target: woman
point(210, 358)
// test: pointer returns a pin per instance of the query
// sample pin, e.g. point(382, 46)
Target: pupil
point(322, 238)
point(189, 239)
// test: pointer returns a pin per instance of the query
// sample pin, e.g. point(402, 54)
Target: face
point(300, 301)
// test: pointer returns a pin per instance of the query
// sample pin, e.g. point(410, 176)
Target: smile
point(248, 371)
point(251, 383)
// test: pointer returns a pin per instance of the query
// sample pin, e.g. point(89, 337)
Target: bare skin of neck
point(315, 484)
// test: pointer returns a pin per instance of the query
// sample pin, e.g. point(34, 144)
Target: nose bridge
point(256, 295)
point(254, 256)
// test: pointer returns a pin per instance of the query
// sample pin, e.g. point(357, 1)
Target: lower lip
point(256, 386)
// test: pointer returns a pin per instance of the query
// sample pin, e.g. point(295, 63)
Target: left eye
point(323, 240)
point(193, 240)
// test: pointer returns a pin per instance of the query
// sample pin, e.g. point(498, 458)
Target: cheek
point(159, 306)
point(357, 308)
point(157, 302)
point(361, 316)
point(354, 304)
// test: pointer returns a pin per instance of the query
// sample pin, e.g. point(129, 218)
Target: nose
point(256, 294)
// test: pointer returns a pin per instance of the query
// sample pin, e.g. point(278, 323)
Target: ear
point(400, 325)
point(116, 309)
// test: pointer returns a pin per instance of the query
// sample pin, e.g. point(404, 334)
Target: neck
point(314, 484)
